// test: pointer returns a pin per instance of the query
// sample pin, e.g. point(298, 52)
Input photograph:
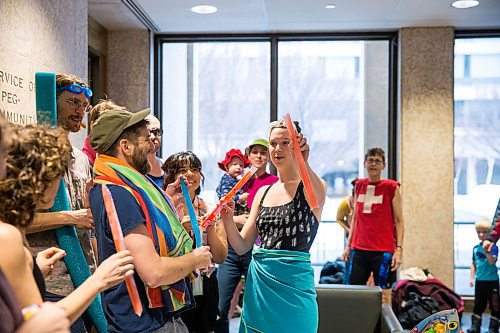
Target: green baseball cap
point(109, 126)
point(261, 142)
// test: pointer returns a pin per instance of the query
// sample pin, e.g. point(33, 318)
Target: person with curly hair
point(50, 318)
point(36, 160)
point(203, 317)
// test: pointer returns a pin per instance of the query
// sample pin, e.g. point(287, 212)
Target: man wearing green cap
point(163, 253)
point(230, 272)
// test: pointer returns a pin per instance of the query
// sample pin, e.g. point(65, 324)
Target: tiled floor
point(466, 321)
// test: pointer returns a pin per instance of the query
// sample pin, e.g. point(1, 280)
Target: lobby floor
point(466, 321)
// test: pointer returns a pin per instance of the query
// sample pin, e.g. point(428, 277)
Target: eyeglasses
point(75, 88)
point(375, 161)
point(156, 131)
point(75, 105)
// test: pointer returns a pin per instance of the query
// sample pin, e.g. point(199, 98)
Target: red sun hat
point(229, 155)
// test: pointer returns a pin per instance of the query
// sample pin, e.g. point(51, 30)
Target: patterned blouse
point(291, 226)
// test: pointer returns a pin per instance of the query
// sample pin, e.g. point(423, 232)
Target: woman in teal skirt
point(279, 293)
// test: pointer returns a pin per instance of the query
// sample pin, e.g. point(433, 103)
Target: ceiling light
point(330, 6)
point(204, 9)
point(463, 4)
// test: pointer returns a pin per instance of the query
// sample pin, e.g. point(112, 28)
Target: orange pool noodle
point(302, 164)
point(116, 231)
point(225, 199)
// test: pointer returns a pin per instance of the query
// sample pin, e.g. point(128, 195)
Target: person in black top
point(280, 294)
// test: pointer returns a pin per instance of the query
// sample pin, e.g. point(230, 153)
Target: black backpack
point(416, 308)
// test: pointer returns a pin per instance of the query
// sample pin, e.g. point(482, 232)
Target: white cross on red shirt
point(369, 199)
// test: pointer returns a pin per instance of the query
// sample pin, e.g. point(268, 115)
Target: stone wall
point(38, 35)
point(426, 148)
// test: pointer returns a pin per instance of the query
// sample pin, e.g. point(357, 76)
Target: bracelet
point(30, 311)
point(399, 246)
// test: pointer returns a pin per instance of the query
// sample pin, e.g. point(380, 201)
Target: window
point(216, 95)
point(477, 145)
point(318, 86)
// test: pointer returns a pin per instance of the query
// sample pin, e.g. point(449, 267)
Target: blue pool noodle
point(46, 107)
point(192, 214)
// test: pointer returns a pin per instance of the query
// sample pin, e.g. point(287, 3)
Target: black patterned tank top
point(291, 226)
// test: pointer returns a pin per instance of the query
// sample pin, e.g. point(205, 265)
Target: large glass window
point(331, 88)
point(215, 97)
point(218, 95)
point(477, 145)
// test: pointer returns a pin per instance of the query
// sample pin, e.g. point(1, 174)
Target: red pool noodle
point(116, 231)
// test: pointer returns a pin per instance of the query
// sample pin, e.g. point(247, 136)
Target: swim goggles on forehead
point(75, 88)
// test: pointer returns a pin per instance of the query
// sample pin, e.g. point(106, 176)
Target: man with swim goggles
point(73, 98)
point(73, 101)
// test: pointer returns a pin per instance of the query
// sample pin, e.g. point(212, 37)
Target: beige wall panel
point(98, 37)
point(39, 35)
point(426, 148)
point(128, 68)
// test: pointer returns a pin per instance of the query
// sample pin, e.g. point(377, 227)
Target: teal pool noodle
point(46, 106)
point(46, 101)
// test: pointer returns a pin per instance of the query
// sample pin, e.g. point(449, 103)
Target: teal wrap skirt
point(279, 293)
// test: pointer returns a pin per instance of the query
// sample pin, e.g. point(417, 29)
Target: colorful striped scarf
point(168, 236)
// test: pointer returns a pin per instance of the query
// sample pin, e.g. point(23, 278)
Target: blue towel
point(280, 295)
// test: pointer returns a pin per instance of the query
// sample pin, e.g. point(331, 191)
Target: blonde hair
point(482, 224)
point(37, 157)
point(100, 108)
point(281, 124)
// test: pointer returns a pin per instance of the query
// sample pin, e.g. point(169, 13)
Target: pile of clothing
point(419, 294)
point(332, 272)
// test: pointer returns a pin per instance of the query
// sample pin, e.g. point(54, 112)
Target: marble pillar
point(426, 148)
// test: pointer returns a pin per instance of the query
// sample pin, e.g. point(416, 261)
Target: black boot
point(475, 326)
point(493, 325)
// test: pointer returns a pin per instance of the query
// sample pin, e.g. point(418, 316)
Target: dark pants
point(486, 292)
point(173, 325)
point(362, 263)
point(229, 275)
point(81, 325)
point(202, 318)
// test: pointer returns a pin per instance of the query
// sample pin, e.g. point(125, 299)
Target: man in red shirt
point(375, 244)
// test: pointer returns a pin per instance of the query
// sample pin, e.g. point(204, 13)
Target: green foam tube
point(46, 106)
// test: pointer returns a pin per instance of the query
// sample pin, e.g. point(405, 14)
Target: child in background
point(233, 165)
point(485, 274)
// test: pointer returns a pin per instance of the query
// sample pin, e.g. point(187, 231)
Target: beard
point(140, 162)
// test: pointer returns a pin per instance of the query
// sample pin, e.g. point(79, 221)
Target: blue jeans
point(229, 275)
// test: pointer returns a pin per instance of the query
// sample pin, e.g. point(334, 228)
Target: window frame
point(274, 39)
point(468, 34)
